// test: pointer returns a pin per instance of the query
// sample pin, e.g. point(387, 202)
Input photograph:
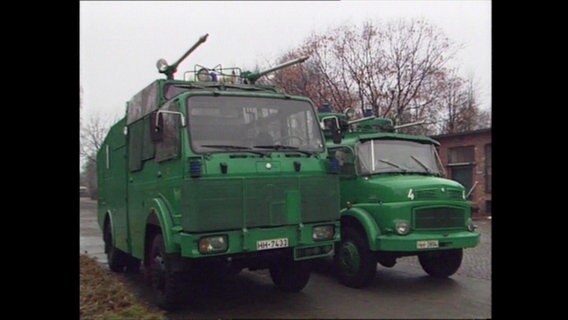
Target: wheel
point(115, 258)
point(289, 139)
point(166, 284)
point(441, 264)
point(132, 264)
point(290, 276)
point(118, 260)
point(356, 265)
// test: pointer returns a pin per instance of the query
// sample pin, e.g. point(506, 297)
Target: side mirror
point(335, 133)
point(330, 125)
point(157, 123)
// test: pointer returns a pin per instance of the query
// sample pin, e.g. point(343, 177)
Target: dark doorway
point(463, 175)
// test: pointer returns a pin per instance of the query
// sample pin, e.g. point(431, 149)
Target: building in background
point(466, 156)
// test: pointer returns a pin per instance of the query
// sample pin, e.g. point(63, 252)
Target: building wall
point(478, 139)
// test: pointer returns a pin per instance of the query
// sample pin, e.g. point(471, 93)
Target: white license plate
point(427, 244)
point(272, 244)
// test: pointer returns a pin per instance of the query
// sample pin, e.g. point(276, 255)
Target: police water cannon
point(251, 77)
point(169, 70)
point(411, 124)
point(350, 122)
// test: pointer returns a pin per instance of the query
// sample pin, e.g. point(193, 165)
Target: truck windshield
point(238, 124)
point(381, 156)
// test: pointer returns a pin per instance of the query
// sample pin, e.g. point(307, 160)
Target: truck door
point(115, 189)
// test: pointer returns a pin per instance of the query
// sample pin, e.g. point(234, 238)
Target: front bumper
point(245, 241)
point(446, 240)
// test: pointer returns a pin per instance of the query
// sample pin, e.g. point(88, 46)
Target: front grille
point(439, 218)
point(211, 204)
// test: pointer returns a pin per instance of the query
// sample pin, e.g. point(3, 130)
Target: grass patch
point(104, 296)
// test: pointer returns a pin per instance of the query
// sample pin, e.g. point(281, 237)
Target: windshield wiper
point(283, 147)
point(232, 147)
point(421, 164)
point(393, 164)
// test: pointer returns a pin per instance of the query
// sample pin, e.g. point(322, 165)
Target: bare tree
point(452, 101)
point(396, 69)
point(417, 54)
point(93, 133)
point(316, 78)
point(484, 119)
point(361, 62)
point(460, 110)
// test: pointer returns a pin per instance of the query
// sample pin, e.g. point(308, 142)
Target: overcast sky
point(120, 42)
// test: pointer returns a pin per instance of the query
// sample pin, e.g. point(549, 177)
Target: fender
point(161, 211)
point(367, 222)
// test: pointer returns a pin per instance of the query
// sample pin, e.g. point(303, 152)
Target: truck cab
point(395, 201)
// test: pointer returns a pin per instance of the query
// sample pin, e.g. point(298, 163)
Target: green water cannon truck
point(212, 173)
point(395, 200)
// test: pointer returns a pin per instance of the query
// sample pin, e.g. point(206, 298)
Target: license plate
point(272, 244)
point(427, 244)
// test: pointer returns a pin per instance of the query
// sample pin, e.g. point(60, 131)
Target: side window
point(148, 147)
point(140, 145)
point(461, 155)
point(346, 160)
point(169, 147)
point(135, 142)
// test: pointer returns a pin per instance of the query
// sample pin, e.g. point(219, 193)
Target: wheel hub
point(349, 258)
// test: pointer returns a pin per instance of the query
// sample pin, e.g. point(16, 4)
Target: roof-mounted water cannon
point(349, 113)
point(350, 122)
point(411, 124)
point(251, 77)
point(168, 70)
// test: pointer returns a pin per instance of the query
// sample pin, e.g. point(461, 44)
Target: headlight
point(162, 65)
point(322, 233)
point(213, 244)
point(402, 227)
point(470, 226)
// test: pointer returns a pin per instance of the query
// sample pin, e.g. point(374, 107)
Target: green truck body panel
point(434, 206)
point(276, 194)
point(114, 208)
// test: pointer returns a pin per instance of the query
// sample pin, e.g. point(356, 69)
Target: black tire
point(290, 276)
point(132, 264)
point(355, 264)
point(116, 258)
point(441, 264)
point(166, 284)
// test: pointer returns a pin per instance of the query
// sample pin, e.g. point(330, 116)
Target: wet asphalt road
point(403, 291)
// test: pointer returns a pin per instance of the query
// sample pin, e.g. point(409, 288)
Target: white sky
point(120, 42)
